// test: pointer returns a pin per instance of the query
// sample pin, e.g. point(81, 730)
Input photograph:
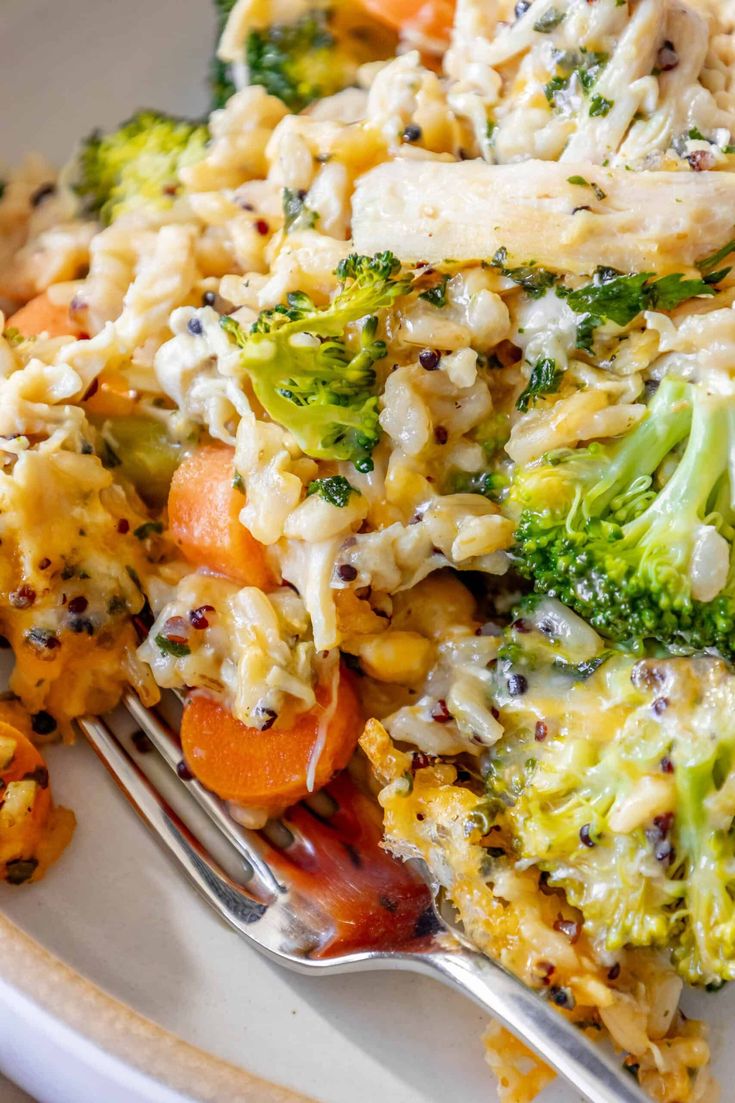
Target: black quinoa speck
point(585, 835)
point(195, 327)
point(429, 359)
point(43, 723)
point(346, 572)
point(209, 298)
point(81, 624)
point(184, 772)
point(266, 718)
point(517, 685)
point(412, 133)
point(441, 434)
point(78, 604)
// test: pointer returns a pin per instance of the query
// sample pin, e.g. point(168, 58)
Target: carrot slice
point(431, 18)
point(269, 769)
point(203, 511)
point(40, 315)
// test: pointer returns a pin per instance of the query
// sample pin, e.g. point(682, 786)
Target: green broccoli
point(628, 533)
point(317, 55)
point(137, 165)
point(220, 80)
point(311, 375)
point(615, 778)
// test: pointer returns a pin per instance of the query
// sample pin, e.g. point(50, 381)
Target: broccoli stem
point(709, 905)
point(666, 423)
point(681, 507)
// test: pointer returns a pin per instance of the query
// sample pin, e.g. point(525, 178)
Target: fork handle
point(561, 1044)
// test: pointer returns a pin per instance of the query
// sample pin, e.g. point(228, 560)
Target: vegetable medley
point(393, 403)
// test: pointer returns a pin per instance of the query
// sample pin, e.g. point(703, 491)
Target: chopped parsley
point(581, 671)
point(582, 183)
point(600, 107)
point(535, 281)
point(614, 297)
point(238, 483)
point(586, 65)
point(175, 648)
point(544, 379)
point(296, 211)
point(549, 21)
point(437, 295)
point(334, 489)
point(708, 265)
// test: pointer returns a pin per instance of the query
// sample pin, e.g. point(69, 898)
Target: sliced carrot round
point(270, 769)
point(204, 518)
point(430, 18)
point(40, 315)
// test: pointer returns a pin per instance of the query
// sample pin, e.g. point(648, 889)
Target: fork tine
point(243, 840)
point(233, 902)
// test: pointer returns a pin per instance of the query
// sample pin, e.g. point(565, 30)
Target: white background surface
point(114, 908)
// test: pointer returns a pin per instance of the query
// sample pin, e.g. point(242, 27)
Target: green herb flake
point(600, 107)
point(437, 295)
point(334, 489)
point(549, 21)
point(708, 264)
point(544, 379)
point(584, 670)
point(238, 483)
point(296, 211)
point(582, 183)
point(618, 298)
point(535, 281)
point(172, 647)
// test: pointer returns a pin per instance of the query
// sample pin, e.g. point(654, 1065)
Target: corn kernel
point(404, 657)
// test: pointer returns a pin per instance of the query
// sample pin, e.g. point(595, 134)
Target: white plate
point(113, 909)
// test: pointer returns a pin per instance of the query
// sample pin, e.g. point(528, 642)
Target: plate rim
point(122, 1033)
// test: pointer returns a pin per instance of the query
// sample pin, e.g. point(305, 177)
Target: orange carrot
point(40, 315)
point(203, 511)
point(269, 769)
point(431, 18)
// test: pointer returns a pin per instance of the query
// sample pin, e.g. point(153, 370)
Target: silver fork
point(314, 892)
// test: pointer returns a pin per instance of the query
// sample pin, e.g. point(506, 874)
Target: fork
point(315, 892)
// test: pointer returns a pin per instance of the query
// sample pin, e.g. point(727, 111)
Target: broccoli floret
point(298, 62)
point(636, 536)
point(618, 784)
point(315, 377)
point(137, 165)
point(317, 55)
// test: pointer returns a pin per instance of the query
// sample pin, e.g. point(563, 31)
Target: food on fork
point(393, 403)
